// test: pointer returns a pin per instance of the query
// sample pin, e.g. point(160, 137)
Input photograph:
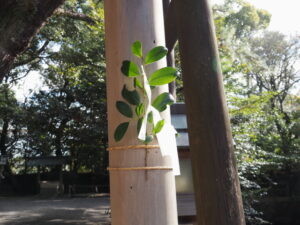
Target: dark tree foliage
point(11, 117)
point(20, 21)
point(69, 120)
point(67, 117)
point(260, 74)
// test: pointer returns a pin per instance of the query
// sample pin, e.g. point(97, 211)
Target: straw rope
point(139, 168)
point(132, 147)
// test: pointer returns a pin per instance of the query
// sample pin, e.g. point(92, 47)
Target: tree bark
point(58, 152)
point(3, 136)
point(170, 23)
point(217, 189)
point(171, 38)
point(20, 21)
point(75, 16)
point(137, 197)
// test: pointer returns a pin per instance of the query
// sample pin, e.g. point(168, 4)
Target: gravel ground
point(64, 211)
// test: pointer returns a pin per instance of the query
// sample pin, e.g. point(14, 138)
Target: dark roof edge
point(178, 108)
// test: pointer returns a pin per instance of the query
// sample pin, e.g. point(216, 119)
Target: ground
point(92, 210)
point(64, 211)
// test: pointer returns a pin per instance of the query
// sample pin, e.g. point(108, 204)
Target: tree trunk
point(20, 21)
point(137, 197)
point(3, 137)
point(217, 189)
point(169, 22)
point(58, 152)
point(3, 147)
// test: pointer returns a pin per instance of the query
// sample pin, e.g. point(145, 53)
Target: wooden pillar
point(137, 197)
point(217, 189)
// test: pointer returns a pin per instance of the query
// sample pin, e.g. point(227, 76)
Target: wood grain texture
point(137, 197)
point(216, 184)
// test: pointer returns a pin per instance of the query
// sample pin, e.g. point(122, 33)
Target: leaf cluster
point(138, 103)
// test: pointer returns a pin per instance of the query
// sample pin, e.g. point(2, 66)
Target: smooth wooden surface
point(137, 197)
point(217, 190)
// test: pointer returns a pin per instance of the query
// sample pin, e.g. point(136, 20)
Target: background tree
point(68, 116)
point(23, 45)
point(260, 75)
point(260, 72)
point(11, 115)
point(20, 21)
point(69, 119)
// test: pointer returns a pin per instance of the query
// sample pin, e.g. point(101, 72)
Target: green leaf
point(155, 54)
point(158, 126)
point(120, 131)
point(137, 83)
point(150, 117)
point(140, 110)
point(149, 138)
point(130, 69)
point(132, 97)
point(136, 49)
point(124, 108)
point(163, 76)
point(139, 124)
point(161, 101)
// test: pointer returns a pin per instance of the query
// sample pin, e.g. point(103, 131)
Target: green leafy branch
point(137, 104)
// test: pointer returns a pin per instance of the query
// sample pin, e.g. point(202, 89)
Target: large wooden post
point(137, 197)
point(217, 190)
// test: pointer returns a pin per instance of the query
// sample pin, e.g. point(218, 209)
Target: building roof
point(178, 120)
point(3, 160)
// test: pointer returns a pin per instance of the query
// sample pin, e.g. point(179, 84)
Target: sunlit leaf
point(155, 54)
point(163, 76)
point(130, 69)
point(158, 127)
point(136, 49)
point(137, 83)
point(161, 101)
point(140, 109)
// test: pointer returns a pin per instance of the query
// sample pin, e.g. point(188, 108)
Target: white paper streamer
point(167, 141)
point(166, 137)
point(143, 131)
